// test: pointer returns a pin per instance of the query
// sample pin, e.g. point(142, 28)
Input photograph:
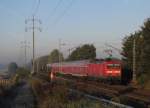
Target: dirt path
point(18, 97)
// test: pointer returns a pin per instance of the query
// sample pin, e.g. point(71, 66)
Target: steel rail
point(105, 101)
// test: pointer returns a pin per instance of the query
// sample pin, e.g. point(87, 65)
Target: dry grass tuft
point(58, 96)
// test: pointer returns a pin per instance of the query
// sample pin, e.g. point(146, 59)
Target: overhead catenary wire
point(64, 12)
point(53, 12)
point(54, 9)
point(62, 15)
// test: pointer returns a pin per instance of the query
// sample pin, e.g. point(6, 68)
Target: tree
point(86, 51)
point(12, 67)
point(128, 51)
point(41, 62)
point(142, 40)
point(54, 56)
point(22, 72)
point(146, 46)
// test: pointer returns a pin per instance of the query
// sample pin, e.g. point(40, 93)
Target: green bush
point(59, 97)
point(22, 72)
point(142, 79)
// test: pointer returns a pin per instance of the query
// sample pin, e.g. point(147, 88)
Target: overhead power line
point(55, 9)
point(36, 8)
point(63, 14)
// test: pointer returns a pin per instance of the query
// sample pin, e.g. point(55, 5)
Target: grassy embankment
point(57, 96)
point(144, 81)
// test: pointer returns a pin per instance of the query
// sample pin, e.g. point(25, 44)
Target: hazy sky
point(74, 21)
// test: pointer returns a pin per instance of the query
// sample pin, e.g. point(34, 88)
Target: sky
point(75, 22)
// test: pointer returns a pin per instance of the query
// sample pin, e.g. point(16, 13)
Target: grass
point(144, 81)
point(58, 96)
point(147, 85)
point(53, 102)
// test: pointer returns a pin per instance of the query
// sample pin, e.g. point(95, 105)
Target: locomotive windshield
point(113, 66)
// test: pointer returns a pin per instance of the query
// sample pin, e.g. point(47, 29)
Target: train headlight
point(116, 71)
point(109, 71)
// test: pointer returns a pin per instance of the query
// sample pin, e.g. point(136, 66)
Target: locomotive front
point(113, 69)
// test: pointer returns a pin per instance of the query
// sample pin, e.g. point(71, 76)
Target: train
point(111, 70)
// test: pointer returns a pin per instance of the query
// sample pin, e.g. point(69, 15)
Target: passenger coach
point(102, 69)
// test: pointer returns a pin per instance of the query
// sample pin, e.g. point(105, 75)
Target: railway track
point(105, 102)
point(137, 95)
point(130, 93)
point(114, 89)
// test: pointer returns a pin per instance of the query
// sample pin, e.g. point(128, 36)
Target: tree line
point(86, 51)
point(142, 49)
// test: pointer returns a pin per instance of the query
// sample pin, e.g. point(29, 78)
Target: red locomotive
point(103, 69)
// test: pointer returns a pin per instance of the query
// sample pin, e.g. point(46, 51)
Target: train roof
point(80, 62)
point(72, 63)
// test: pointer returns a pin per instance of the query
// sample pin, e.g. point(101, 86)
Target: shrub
point(143, 78)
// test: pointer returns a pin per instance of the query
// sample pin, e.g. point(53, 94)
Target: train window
point(113, 66)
